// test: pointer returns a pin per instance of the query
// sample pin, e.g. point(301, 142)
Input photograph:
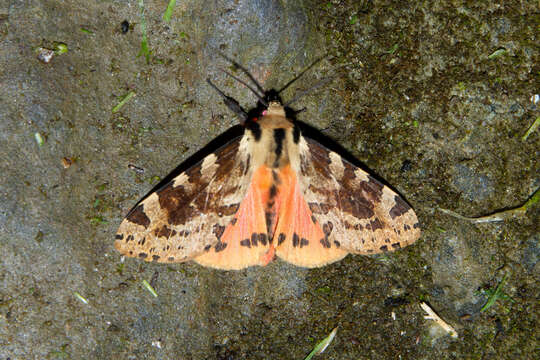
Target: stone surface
point(411, 85)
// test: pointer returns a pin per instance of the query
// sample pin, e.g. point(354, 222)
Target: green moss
point(495, 294)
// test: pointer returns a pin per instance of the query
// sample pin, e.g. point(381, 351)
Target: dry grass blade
point(431, 315)
point(320, 347)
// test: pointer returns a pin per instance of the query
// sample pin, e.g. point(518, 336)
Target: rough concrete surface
point(434, 97)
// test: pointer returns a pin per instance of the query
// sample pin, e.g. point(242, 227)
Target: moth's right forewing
point(358, 213)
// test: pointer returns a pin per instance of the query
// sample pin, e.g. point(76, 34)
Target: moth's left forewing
point(356, 211)
point(188, 216)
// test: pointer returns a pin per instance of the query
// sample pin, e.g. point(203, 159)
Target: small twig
point(135, 168)
point(496, 217)
point(500, 215)
point(431, 315)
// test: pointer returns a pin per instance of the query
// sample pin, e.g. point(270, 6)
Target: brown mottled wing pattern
point(357, 212)
point(188, 215)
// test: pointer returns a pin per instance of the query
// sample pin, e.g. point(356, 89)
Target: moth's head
point(272, 95)
point(269, 105)
point(272, 116)
point(274, 109)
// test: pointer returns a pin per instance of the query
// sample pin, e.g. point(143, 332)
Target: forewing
point(189, 215)
point(357, 212)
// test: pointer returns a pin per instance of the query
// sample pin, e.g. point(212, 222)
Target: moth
point(270, 193)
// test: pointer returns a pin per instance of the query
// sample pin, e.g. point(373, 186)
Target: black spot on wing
point(295, 240)
point(325, 243)
point(327, 228)
point(164, 231)
point(184, 233)
point(218, 230)
point(138, 216)
point(245, 243)
point(254, 239)
point(376, 224)
point(220, 246)
point(400, 208)
point(263, 238)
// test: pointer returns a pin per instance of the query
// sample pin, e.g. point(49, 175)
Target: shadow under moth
point(271, 192)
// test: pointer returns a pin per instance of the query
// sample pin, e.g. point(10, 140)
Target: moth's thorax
point(274, 145)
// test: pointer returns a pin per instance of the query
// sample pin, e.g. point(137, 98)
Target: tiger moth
point(270, 193)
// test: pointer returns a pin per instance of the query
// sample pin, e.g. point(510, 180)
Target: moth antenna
point(301, 74)
point(231, 103)
point(305, 92)
point(260, 97)
point(244, 70)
